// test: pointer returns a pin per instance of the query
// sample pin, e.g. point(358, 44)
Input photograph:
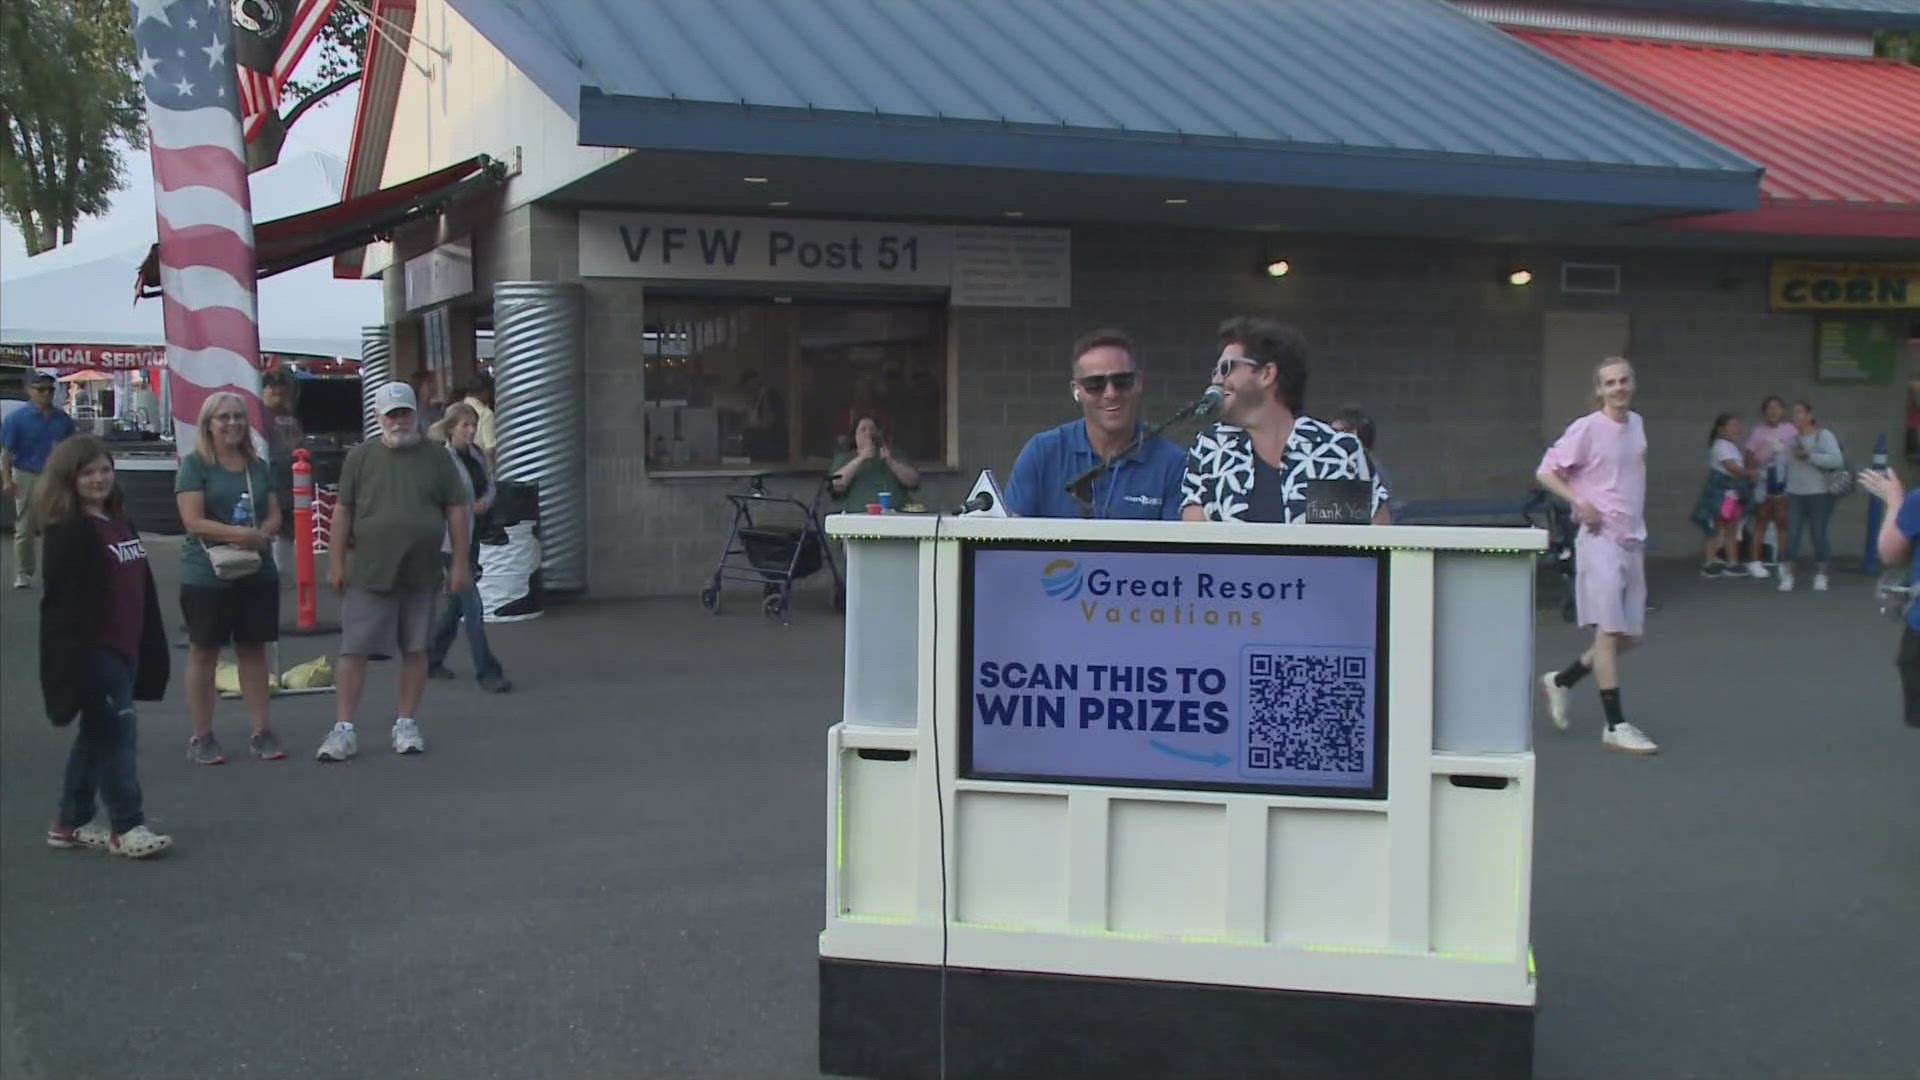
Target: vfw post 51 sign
point(1214, 668)
point(981, 266)
point(713, 248)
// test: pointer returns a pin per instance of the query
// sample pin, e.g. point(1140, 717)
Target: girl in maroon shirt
point(102, 646)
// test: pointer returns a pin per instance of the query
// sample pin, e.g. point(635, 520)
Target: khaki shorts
point(383, 625)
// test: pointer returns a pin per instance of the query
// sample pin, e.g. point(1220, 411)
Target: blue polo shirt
point(1144, 484)
point(29, 436)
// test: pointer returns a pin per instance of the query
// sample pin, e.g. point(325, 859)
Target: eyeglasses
point(1226, 365)
point(1121, 381)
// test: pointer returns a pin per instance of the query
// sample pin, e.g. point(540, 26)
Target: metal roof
point(1392, 94)
point(1831, 130)
point(1856, 14)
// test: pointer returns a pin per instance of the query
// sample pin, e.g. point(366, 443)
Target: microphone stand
point(1081, 487)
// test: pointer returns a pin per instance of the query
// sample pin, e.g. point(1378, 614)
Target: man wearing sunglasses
point(1261, 461)
point(27, 436)
point(1145, 483)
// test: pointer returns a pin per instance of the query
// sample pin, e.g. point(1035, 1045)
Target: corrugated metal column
point(540, 414)
point(376, 369)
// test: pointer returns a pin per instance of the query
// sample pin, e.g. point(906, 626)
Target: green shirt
point(872, 478)
point(399, 500)
point(222, 488)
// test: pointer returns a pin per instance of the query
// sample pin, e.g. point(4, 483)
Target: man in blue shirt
point(26, 438)
point(1899, 536)
point(1143, 484)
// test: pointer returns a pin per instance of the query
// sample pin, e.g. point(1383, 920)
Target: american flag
point(205, 210)
point(270, 37)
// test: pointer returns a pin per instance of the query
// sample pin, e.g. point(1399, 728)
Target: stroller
point(1544, 510)
point(774, 556)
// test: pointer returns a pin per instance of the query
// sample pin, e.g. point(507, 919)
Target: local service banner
point(1175, 668)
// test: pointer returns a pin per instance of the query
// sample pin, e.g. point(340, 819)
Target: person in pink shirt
point(1767, 446)
point(1599, 466)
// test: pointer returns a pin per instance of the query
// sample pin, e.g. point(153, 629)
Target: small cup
point(874, 508)
point(886, 501)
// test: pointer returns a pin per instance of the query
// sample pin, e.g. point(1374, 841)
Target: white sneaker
point(1626, 737)
point(340, 744)
point(406, 738)
point(1754, 569)
point(1786, 580)
point(23, 581)
point(1820, 582)
point(1558, 697)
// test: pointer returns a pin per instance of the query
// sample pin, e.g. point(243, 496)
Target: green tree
point(1898, 44)
point(337, 55)
point(70, 103)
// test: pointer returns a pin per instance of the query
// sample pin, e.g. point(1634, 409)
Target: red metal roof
point(1839, 136)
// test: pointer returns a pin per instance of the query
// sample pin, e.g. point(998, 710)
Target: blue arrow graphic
point(1215, 760)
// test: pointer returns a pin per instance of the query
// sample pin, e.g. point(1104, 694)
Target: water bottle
point(243, 509)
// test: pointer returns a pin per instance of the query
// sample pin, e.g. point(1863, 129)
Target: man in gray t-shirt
point(399, 497)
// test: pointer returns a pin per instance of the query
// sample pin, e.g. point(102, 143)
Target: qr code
point(1308, 711)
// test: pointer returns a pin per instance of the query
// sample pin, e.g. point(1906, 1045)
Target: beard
point(400, 440)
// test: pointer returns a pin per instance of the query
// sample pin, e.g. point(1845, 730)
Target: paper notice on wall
point(1012, 268)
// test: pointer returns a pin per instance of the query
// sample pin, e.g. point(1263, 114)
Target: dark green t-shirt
point(399, 500)
point(872, 478)
point(222, 488)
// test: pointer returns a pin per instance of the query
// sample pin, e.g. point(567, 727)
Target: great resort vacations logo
point(1192, 598)
point(1060, 579)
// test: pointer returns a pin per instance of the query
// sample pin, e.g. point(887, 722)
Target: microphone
point(1081, 487)
point(1203, 404)
point(980, 503)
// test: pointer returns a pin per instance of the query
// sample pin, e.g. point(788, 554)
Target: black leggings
point(1909, 662)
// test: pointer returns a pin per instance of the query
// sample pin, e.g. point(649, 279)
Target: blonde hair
point(442, 429)
point(204, 445)
point(1601, 367)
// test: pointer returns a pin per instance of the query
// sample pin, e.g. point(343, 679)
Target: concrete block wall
point(1425, 335)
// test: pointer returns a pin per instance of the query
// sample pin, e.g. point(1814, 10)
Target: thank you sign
point(1176, 668)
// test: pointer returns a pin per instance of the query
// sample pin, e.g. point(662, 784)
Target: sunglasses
point(1096, 385)
point(1227, 363)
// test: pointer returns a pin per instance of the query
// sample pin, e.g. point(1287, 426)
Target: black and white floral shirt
point(1220, 469)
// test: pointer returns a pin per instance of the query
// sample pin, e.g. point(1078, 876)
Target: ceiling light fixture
point(754, 179)
point(778, 203)
point(1520, 276)
point(1278, 268)
point(1013, 213)
point(1176, 202)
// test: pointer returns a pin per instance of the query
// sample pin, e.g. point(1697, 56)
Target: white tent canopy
point(83, 293)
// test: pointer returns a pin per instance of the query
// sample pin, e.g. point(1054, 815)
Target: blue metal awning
point(1394, 96)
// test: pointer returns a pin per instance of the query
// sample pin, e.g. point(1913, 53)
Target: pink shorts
point(1610, 585)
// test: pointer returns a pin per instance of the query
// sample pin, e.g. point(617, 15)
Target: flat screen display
point(1182, 667)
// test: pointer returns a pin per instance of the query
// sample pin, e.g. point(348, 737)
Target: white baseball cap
point(394, 396)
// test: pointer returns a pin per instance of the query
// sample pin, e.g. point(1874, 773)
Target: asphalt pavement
point(616, 870)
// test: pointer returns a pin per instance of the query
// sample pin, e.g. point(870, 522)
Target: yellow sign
point(1850, 286)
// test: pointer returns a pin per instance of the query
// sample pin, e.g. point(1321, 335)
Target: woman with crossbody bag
point(229, 587)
